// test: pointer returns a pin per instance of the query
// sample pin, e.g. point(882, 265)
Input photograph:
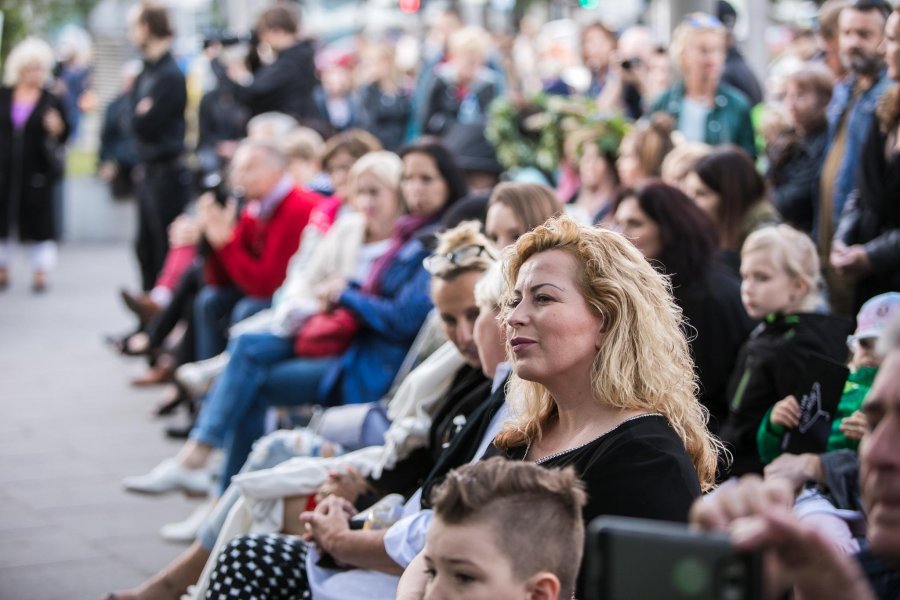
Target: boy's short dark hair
point(534, 514)
point(155, 17)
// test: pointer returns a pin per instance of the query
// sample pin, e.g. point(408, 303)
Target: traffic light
point(589, 4)
point(410, 6)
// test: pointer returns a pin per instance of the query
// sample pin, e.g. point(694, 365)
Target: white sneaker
point(186, 531)
point(197, 377)
point(170, 476)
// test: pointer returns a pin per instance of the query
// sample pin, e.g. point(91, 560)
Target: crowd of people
point(416, 368)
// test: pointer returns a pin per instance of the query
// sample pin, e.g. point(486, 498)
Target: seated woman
point(515, 208)
point(726, 185)
point(680, 240)
point(389, 308)
point(604, 374)
point(461, 258)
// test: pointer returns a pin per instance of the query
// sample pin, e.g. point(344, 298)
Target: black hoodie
point(768, 369)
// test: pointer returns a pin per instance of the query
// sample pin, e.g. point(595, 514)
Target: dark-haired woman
point(432, 182)
point(727, 186)
point(680, 241)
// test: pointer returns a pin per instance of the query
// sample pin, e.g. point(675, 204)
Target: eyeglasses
point(438, 263)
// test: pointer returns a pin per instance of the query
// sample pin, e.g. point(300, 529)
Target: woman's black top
point(639, 469)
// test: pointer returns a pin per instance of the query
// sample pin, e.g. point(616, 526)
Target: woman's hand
point(349, 485)
point(329, 292)
point(54, 123)
point(324, 525)
point(854, 426)
point(786, 413)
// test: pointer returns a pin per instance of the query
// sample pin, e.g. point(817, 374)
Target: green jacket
point(768, 438)
point(728, 121)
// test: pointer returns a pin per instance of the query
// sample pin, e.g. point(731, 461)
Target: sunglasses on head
point(458, 258)
point(702, 21)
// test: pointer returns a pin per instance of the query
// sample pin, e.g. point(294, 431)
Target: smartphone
point(638, 559)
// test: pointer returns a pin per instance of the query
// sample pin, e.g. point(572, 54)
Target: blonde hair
point(386, 166)
point(681, 160)
point(469, 40)
point(691, 25)
point(644, 362)
point(490, 288)
point(794, 252)
point(27, 52)
point(303, 143)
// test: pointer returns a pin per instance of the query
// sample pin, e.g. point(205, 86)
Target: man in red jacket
point(250, 250)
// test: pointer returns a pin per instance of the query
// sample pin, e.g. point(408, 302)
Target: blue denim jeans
point(233, 413)
point(216, 308)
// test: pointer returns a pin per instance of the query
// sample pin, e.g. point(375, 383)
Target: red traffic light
point(410, 6)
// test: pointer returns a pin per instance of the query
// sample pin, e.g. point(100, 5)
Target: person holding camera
point(286, 85)
point(250, 246)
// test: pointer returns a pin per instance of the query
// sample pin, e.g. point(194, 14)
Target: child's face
point(767, 288)
point(463, 561)
point(864, 353)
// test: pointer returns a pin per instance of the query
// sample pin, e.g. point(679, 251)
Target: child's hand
point(854, 426)
point(786, 413)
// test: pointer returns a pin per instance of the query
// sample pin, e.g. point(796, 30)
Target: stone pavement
point(70, 428)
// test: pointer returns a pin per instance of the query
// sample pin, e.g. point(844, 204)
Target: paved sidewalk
point(70, 429)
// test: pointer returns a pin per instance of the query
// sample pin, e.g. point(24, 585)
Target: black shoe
point(179, 432)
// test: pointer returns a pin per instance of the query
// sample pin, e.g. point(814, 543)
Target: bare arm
point(329, 527)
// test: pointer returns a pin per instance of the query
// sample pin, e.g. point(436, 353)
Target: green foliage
point(533, 135)
point(39, 17)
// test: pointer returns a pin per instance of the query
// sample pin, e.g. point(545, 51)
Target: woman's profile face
point(490, 342)
point(377, 201)
point(592, 167)
point(502, 226)
point(702, 195)
point(454, 301)
point(551, 329)
point(641, 230)
point(628, 164)
point(424, 189)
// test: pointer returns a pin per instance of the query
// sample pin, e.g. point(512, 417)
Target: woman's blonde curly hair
point(644, 363)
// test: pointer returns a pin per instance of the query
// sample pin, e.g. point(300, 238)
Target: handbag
point(326, 334)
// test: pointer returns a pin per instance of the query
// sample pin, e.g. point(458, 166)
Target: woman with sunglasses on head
point(462, 257)
point(705, 109)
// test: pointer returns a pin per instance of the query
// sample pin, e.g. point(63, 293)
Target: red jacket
point(256, 258)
